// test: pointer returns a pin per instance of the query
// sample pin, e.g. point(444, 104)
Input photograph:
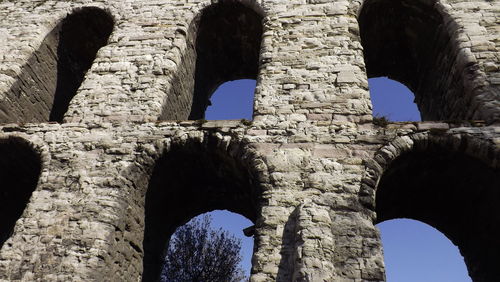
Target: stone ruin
point(104, 149)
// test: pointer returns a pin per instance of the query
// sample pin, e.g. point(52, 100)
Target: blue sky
point(413, 251)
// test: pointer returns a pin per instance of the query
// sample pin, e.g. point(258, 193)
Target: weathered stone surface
point(103, 190)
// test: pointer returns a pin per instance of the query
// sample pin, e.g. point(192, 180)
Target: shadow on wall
point(223, 44)
point(20, 168)
point(288, 251)
point(55, 71)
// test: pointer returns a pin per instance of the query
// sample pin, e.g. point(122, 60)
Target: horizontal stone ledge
point(438, 124)
point(432, 125)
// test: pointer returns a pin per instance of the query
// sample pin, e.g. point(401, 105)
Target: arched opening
point(230, 259)
point(20, 168)
point(392, 100)
point(452, 192)
point(53, 74)
point(412, 41)
point(189, 180)
point(232, 100)
point(223, 44)
point(415, 251)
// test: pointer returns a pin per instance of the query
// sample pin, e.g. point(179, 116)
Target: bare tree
point(199, 253)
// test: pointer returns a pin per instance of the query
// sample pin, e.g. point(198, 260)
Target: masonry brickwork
point(104, 150)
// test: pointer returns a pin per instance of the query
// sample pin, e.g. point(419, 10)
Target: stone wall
point(125, 166)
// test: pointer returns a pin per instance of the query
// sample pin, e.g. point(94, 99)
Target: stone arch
point(223, 43)
point(418, 44)
point(52, 75)
point(447, 180)
point(20, 168)
point(194, 176)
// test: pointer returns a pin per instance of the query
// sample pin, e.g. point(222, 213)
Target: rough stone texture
point(125, 167)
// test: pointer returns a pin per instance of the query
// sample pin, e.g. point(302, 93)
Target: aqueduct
point(105, 150)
